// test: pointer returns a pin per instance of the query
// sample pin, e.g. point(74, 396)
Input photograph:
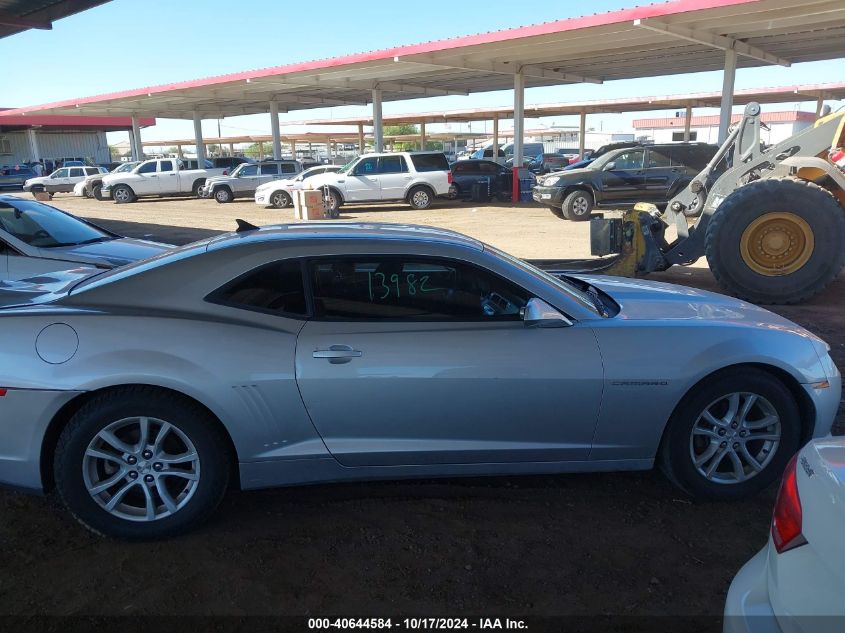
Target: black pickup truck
point(620, 178)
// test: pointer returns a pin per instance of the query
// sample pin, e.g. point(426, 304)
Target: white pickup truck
point(159, 177)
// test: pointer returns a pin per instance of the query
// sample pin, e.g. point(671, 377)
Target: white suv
point(415, 177)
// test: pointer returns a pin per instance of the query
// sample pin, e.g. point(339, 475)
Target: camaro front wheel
point(139, 463)
point(732, 436)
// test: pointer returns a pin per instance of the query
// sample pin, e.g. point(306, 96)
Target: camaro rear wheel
point(732, 436)
point(139, 463)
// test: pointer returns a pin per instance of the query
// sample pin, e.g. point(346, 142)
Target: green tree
point(402, 130)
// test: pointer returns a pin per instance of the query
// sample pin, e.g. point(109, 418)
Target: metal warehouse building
point(55, 138)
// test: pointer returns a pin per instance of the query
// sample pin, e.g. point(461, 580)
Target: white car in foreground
point(279, 193)
point(797, 582)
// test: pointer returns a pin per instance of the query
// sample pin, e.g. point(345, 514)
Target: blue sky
point(128, 44)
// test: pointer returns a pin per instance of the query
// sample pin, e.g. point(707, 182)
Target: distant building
point(705, 129)
point(53, 138)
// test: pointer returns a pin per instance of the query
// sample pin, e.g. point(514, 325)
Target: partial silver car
point(326, 352)
point(36, 238)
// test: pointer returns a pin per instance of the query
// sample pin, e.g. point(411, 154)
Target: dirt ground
point(623, 544)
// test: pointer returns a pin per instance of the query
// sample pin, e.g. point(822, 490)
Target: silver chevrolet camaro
point(326, 352)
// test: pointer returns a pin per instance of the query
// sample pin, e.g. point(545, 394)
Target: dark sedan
point(495, 178)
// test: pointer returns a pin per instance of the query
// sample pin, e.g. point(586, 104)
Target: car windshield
point(237, 169)
point(43, 226)
point(602, 160)
point(124, 167)
point(560, 283)
point(348, 166)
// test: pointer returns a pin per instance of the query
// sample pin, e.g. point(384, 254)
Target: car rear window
point(430, 162)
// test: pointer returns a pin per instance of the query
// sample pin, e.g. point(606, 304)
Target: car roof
point(344, 230)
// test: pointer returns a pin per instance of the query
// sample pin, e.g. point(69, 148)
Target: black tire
point(556, 211)
point(97, 192)
point(280, 199)
point(223, 195)
point(578, 206)
point(333, 203)
point(123, 194)
point(195, 189)
point(127, 402)
point(420, 197)
point(814, 206)
point(675, 457)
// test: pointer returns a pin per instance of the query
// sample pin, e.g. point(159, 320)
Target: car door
point(166, 178)
point(77, 174)
point(623, 177)
point(269, 172)
point(363, 183)
point(660, 175)
point(247, 178)
point(417, 360)
point(148, 180)
point(57, 180)
point(394, 177)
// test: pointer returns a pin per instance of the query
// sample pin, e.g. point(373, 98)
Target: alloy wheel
point(141, 469)
point(735, 437)
point(420, 198)
point(580, 205)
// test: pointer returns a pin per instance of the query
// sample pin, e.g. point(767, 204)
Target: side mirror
point(610, 166)
point(538, 313)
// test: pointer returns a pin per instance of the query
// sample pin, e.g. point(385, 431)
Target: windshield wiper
point(94, 240)
point(598, 304)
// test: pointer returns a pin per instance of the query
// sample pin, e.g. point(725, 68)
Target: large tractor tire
point(776, 241)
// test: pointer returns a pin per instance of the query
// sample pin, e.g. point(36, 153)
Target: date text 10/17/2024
point(424, 624)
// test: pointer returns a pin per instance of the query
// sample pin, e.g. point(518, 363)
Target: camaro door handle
point(338, 353)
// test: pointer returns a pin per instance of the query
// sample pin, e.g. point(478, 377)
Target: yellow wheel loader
point(772, 225)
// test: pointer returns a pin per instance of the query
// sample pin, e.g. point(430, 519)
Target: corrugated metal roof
point(21, 15)
point(674, 37)
point(790, 116)
point(781, 94)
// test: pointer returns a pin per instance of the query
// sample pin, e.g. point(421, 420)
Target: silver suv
point(246, 178)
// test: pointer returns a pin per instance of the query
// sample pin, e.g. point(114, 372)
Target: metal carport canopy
point(681, 36)
point(781, 94)
point(17, 16)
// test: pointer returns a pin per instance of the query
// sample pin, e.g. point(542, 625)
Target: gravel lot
point(617, 544)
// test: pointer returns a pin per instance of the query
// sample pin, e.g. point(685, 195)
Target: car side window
point(147, 168)
point(658, 158)
point(367, 166)
point(632, 159)
point(287, 168)
point(401, 288)
point(488, 168)
point(270, 169)
point(165, 165)
point(76, 172)
point(91, 171)
point(275, 288)
point(61, 173)
point(249, 170)
point(392, 165)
